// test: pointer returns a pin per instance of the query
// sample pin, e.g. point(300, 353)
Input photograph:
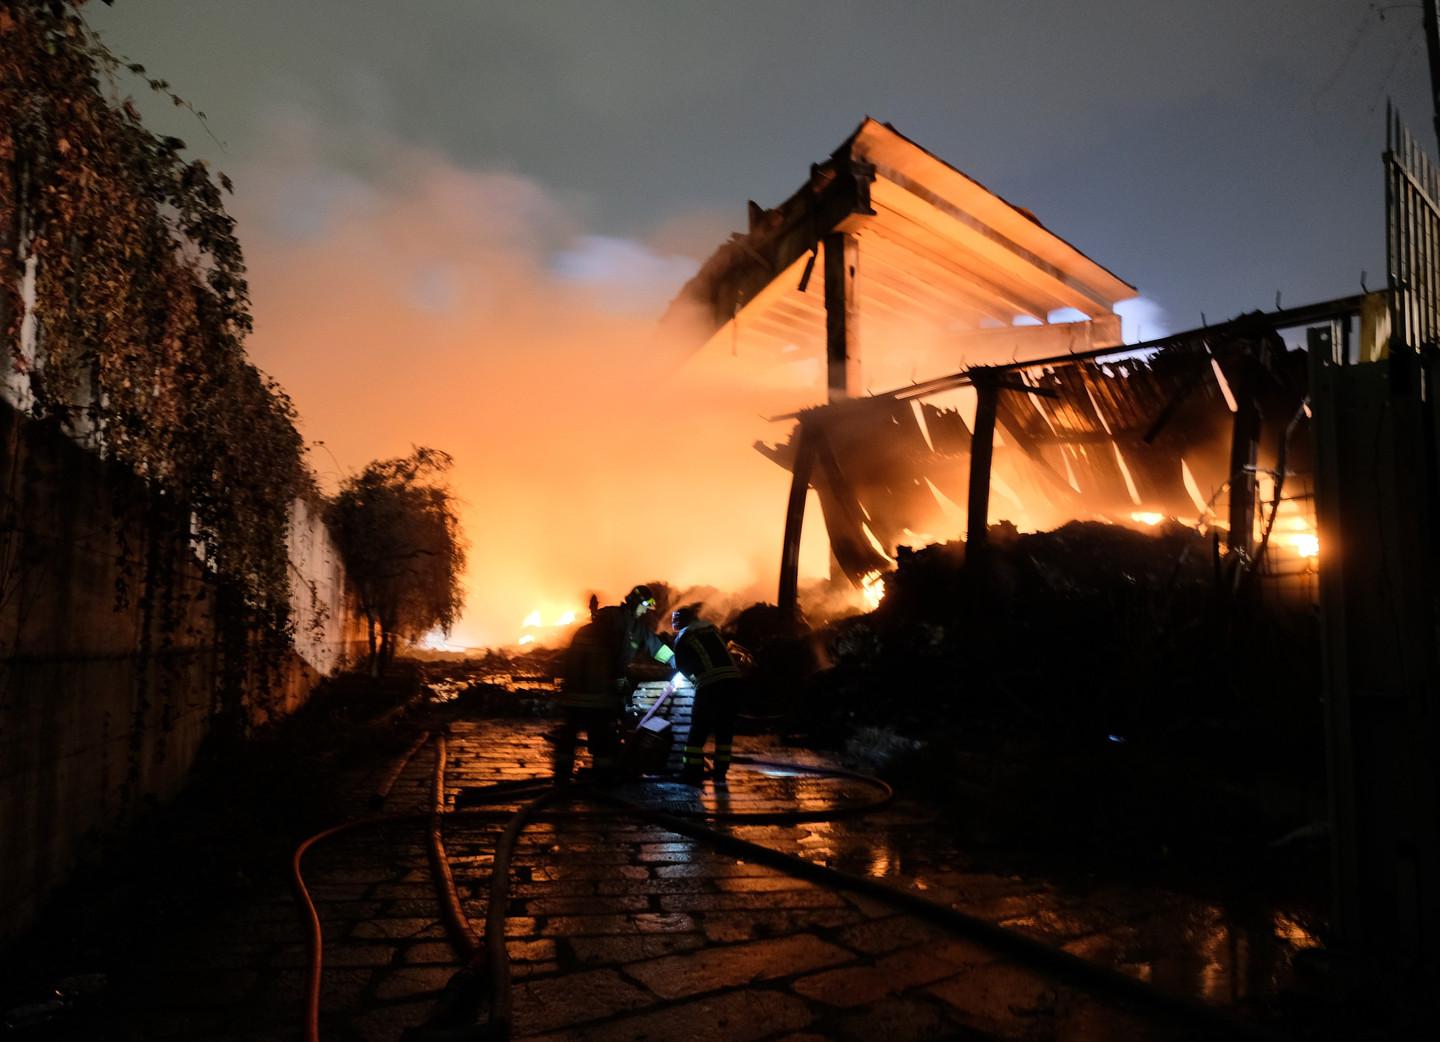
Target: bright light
point(533, 619)
point(565, 619)
point(1125, 473)
point(1306, 544)
point(872, 589)
point(529, 638)
point(1192, 487)
point(1224, 385)
point(1147, 517)
point(435, 641)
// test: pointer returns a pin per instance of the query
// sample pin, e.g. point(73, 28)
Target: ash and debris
point(499, 683)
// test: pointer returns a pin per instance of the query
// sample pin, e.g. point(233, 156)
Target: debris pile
point(1101, 685)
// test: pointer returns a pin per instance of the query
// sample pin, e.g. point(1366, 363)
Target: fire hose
point(487, 969)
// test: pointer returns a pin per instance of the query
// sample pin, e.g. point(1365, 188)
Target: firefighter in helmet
point(702, 654)
point(594, 684)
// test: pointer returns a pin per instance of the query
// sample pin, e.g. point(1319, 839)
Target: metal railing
point(1412, 236)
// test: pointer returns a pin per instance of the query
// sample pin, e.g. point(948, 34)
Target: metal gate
point(1412, 236)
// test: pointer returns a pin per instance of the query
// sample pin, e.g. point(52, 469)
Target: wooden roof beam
point(927, 175)
point(937, 307)
point(915, 266)
point(923, 243)
point(1003, 254)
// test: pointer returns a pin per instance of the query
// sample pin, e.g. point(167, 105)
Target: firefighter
point(594, 685)
point(702, 655)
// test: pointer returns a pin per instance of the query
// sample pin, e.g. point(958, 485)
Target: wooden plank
point(915, 240)
point(922, 302)
point(892, 153)
point(1000, 258)
point(1244, 451)
point(982, 451)
point(802, 467)
point(949, 280)
point(842, 316)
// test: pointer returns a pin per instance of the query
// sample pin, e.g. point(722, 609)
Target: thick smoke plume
point(421, 303)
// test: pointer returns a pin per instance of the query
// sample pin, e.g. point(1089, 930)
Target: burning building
point(946, 361)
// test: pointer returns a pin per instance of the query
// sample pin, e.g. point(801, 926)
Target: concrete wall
point(96, 717)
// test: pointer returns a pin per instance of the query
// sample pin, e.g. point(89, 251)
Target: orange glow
point(872, 589)
point(1147, 517)
point(1224, 386)
point(590, 454)
point(1125, 472)
point(1192, 488)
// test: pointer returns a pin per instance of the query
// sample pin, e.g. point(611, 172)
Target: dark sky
point(1210, 151)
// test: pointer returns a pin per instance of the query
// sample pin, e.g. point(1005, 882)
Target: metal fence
point(1412, 236)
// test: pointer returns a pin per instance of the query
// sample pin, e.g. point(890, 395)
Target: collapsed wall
point(112, 664)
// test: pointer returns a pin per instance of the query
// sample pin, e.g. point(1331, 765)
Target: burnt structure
point(1286, 434)
point(885, 245)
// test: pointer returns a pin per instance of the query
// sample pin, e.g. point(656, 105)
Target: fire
point(872, 589)
point(536, 621)
point(1298, 528)
point(1147, 517)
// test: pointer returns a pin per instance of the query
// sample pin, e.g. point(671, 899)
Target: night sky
point(1210, 152)
point(423, 186)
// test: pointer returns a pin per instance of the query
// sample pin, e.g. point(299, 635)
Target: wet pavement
point(622, 930)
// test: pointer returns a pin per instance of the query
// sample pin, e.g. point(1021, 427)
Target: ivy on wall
point(140, 301)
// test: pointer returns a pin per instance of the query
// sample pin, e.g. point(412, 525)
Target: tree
point(398, 532)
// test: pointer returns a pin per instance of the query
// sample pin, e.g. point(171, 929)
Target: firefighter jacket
point(594, 670)
point(702, 655)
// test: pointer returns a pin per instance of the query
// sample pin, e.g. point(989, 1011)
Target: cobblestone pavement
point(620, 930)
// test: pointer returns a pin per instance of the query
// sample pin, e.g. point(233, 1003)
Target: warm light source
point(872, 589)
point(1147, 517)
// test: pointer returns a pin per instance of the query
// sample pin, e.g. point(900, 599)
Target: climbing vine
point(140, 302)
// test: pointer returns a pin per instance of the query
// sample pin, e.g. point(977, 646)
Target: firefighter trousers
point(601, 727)
point(714, 714)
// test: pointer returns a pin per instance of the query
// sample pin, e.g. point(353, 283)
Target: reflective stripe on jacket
point(701, 654)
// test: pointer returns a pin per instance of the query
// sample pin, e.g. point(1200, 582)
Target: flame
point(1306, 544)
point(1192, 488)
point(872, 589)
point(536, 622)
point(1147, 517)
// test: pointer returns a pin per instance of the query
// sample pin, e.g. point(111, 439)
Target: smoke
point(1142, 319)
point(404, 300)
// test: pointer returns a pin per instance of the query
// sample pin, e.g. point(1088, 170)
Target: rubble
point(1083, 697)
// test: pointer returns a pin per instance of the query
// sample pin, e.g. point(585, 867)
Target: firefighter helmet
point(684, 616)
point(641, 597)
